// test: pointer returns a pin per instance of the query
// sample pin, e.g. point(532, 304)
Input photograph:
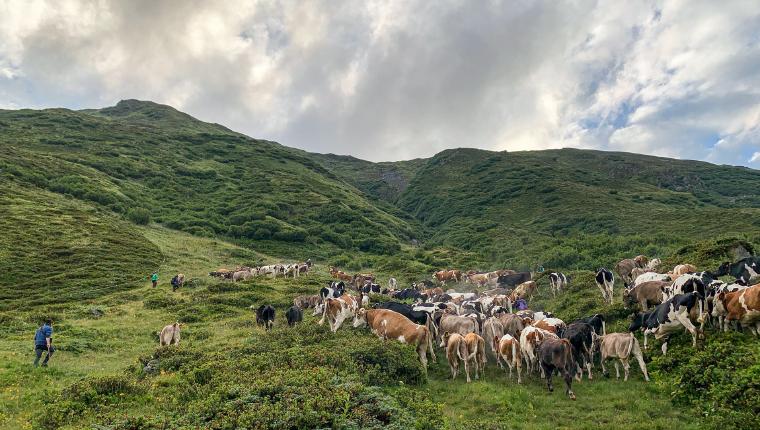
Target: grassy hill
point(93, 201)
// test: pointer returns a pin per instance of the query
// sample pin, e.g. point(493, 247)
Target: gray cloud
point(400, 79)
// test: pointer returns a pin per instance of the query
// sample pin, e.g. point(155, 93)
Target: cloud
point(388, 80)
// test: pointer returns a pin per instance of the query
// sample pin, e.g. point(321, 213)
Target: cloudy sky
point(390, 80)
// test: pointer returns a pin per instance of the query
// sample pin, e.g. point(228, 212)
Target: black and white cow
point(265, 316)
point(596, 321)
point(669, 317)
point(688, 283)
point(558, 281)
point(605, 280)
point(743, 270)
point(409, 293)
point(581, 337)
point(335, 290)
point(370, 287)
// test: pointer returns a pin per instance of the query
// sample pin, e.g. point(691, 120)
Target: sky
point(393, 80)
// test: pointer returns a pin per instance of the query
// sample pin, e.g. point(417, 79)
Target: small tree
point(139, 216)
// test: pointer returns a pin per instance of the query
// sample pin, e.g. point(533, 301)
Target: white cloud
point(399, 79)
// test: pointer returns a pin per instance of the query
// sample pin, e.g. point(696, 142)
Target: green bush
point(139, 216)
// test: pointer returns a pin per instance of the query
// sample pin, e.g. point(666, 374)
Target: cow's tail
point(514, 350)
point(429, 336)
point(175, 327)
point(462, 351)
point(604, 328)
point(633, 345)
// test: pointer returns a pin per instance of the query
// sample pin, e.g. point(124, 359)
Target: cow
point(641, 261)
point(265, 316)
point(432, 292)
point(558, 281)
point(668, 317)
point(605, 280)
point(581, 337)
point(654, 264)
point(306, 302)
point(335, 290)
point(476, 352)
point(513, 279)
point(557, 354)
point(456, 350)
point(492, 328)
point(456, 324)
point(540, 315)
point(446, 275)
point(554, 325)
point(621, 346)
point(524, 291)
point(242, 275)
point(392, 283)
point(650, 276)
point(683, 269)
point(294, 315)
point(170, 334)
point(718, 310)
point(387, 324)
point(624, 268)
point(370, 287)
point(530, 338)
point(596, 321)
point(409, 293)
point(645, 294)
point(743, 270)
point(338, 310)
point(741, 306)
point(512, 324)
point(508, 349)
point(421, 317)
point(687, 283)
point(360, 279)
point(482, 279)
point(272, 269)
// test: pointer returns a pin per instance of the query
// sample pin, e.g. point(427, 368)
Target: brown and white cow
point(621, 346)
point(476, 353)
point(338, 310)
point(492, 327)
point(170, 334)
point(447, 275)
point(387, 324)
point(456, 351)
point(741, 306)
point(456, 324)
point(524, 291)
point(508, 349)
point(553, 325)
point(530, 338)
point(683, 269)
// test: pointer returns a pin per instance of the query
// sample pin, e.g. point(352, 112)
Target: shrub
point(139, 216)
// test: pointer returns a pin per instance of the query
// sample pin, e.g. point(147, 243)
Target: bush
point(139, 216)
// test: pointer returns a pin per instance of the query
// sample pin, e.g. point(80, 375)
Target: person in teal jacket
point(154, 279)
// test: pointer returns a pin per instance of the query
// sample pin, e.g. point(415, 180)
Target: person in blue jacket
point(43, 341)
point(521, 304)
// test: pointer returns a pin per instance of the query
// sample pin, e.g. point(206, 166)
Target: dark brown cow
point(557, 354)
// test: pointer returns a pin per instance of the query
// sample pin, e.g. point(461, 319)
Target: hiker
point(521, 304)
point(154, 279)
point(43, 341)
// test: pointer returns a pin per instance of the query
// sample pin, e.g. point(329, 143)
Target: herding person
point(154, 279)
point(43, 341)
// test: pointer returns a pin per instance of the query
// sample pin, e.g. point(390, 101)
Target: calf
point(294, 315)
point(666, 318)
point(558, 281)
point(645, 294)
point(476, 352)
point(581, 338)
point(742, 306)
point(265, 316)
point(557, 354)
point(456, 350)
point(169, 335)
point(621, 346)
point(387, 324)
point(508, 349)
point(605, 280)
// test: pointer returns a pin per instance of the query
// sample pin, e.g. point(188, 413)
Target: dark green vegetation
point(92, 202)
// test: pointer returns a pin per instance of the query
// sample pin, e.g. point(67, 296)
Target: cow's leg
point(467, 369)
point(568, 384)
point(604, 369)
point(645, 340)
point(617, 370)
point(422, 351)
point(548, 371)
point(665, 347)
point(626, 368)
point(518, 364)
point(589, 365)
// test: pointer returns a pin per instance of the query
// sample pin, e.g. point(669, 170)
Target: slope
point(577, 209)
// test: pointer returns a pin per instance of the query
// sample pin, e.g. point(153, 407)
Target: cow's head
point(360, 317)
point(445, 339)
point(637, 322)
point(629, 299)
point(723, 269)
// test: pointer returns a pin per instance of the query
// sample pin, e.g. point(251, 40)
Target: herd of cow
point(244, 273)
point(470, 327)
